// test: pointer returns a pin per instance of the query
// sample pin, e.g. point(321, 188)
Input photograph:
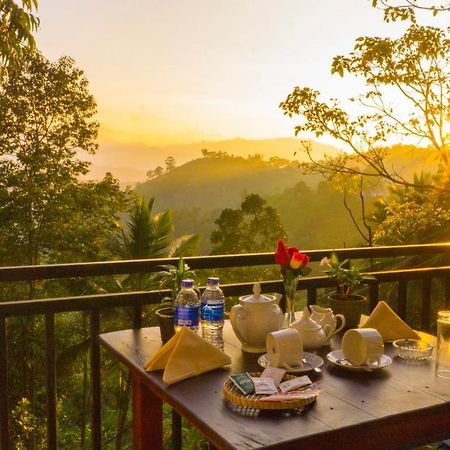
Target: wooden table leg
point(147, 417)
point(176, 431)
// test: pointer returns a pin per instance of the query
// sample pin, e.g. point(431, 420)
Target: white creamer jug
point(313, 334)
point(325, 316)
point(254, 318)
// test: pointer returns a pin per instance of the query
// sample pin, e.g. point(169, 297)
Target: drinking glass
point(443, 345)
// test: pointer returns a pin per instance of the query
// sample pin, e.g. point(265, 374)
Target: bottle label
point(186, 316)
point(212, 312)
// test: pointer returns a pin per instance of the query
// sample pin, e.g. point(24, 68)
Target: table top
point(404, 403)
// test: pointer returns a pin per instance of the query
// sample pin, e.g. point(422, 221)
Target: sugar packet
point(243, 382)
point(295, 383)
point(276, 373)
point(264, 385)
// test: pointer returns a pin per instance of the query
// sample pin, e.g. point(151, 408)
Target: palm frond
point(161, 229)
point(186, 245)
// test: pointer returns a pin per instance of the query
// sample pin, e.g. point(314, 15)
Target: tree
point(158, 171)
point(254, 227)
point(46, 214)
point(170, 163)
point(412, 215)
point(417, 66)
point(16, 27)
point(46, 121)
point(149, 236)
point(406, 9)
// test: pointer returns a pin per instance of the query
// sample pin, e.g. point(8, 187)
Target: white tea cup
point(363, 346)
point(285, 348)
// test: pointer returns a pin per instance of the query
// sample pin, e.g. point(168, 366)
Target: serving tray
point(235, 396)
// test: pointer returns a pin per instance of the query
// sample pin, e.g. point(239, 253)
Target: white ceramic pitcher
point(325, 316)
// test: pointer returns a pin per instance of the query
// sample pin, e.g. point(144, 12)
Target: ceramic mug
point(285, 349)
point(363, 346)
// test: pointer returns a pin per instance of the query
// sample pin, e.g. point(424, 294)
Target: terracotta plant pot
point(166, 319)
point(351, 308)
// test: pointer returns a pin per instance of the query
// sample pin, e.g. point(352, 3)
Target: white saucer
point(337, 358)
point(314, 361)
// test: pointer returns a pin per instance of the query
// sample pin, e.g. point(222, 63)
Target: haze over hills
point(130, 162)
point(197, 191)
point(217, 183)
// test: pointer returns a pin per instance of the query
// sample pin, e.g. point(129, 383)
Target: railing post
point(51, 380)
point(312, 296)
point(95, 380)
point(426, 304)
point(402, 296)
point(374, 294)
point(137, 316)
point(447, 293)
point(4, 410)
point(176, 431)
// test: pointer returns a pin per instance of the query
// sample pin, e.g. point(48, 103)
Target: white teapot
point(325, 316)
point(254, 318)
point(313, 334)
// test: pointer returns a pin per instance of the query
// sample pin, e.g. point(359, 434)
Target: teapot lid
point(306, 321)
point(257, 296)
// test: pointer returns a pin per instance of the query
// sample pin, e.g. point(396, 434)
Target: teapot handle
point(238, 312)
point(340, 316)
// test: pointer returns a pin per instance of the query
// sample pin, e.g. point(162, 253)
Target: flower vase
point(290, 287)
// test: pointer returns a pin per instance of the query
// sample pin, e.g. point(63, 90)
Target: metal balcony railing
point(94, 304)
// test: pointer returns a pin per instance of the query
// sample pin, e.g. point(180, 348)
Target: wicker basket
point(234, 395)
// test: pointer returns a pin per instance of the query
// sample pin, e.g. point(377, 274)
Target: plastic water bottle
point(212, 311)
point(187, 307)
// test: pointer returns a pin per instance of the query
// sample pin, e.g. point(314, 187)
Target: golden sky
point(178, 71)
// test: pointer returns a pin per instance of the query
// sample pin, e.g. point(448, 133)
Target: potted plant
point(170, 277)
point(346, 276)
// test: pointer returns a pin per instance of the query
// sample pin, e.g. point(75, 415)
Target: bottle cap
point(213, 280)
point(187, 284)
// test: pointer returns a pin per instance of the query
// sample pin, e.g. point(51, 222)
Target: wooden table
point(401, 406)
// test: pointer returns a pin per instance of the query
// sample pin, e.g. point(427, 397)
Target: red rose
point(292, 250)
point(296, 260)
point(305, 259)
point(299, 259)
point(282, 255)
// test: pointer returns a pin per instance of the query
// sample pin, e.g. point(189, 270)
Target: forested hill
point(221, 182)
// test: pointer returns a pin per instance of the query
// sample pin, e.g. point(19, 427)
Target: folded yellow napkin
point(185, 355)
point(388, 324)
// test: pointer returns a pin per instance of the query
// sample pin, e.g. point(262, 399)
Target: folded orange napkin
point(186, 355)
point(388, 324)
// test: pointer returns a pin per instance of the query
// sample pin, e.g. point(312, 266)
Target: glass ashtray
point(412, 349)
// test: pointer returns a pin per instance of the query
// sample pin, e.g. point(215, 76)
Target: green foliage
point(170, 277)
point(346, 275)
point(399, 10)
point(413, 216)
point(255, 227)
point(148, 236)
point(416, 65)
point(17, 24)
point(47, 214)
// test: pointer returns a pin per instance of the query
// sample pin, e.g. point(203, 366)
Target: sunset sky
point(165, 72)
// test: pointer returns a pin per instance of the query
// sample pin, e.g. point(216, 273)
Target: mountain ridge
point(130, 162)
